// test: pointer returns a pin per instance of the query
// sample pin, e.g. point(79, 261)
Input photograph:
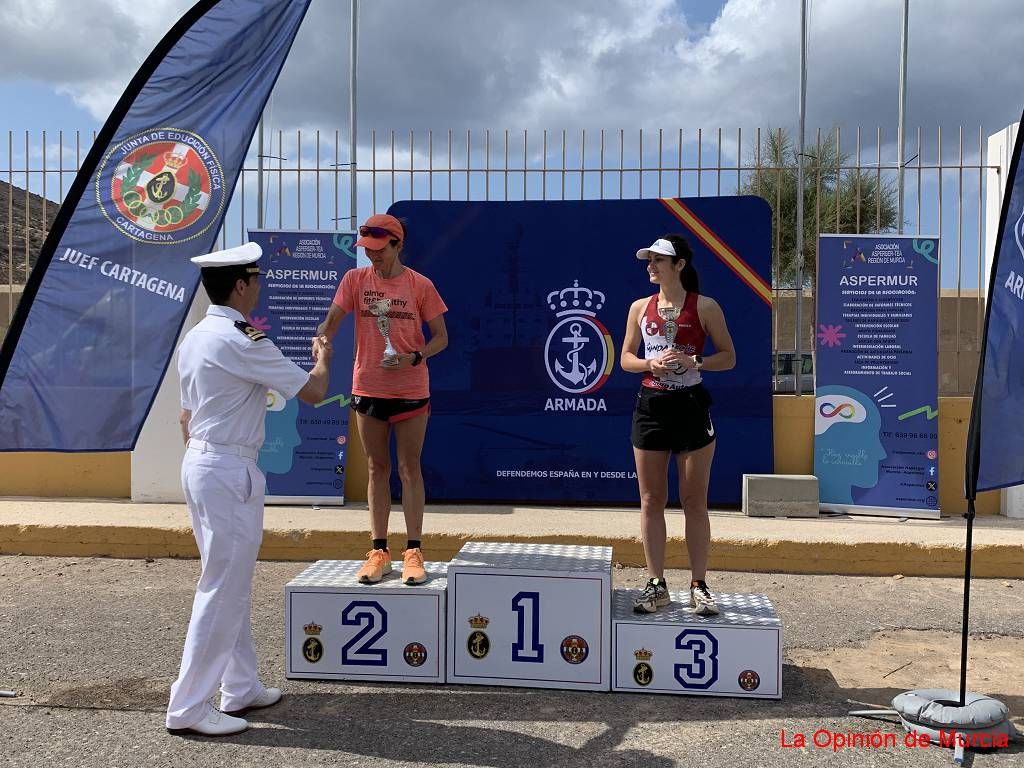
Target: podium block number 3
point(359, 650)
point(702, 671)
point(527, 608)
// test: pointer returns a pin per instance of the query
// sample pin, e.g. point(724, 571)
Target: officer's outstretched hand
point(322, 346)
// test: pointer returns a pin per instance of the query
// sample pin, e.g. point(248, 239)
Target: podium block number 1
point(527, 608)
point(370, 616)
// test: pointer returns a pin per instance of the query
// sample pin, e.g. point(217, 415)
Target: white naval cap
point(240, 255)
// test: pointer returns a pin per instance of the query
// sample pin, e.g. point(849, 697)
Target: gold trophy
point(669, 315)
point(379, 309)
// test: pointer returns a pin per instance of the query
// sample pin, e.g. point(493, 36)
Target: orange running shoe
point(412, 567)
point(376, 567)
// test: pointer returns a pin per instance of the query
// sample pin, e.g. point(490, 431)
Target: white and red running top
point(689, 339)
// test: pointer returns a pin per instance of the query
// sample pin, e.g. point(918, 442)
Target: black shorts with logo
point(676, 420)
point(390, 409)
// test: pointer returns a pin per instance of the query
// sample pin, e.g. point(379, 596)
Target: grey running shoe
point(654, 596)
point(701, 601)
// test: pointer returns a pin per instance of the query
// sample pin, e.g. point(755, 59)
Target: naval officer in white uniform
point(226, 367)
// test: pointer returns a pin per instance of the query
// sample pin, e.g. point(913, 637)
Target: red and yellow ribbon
point(718, 247)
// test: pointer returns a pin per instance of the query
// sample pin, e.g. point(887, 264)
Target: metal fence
point(850, 181)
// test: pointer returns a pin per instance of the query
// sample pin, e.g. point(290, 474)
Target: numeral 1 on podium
point(527, 608)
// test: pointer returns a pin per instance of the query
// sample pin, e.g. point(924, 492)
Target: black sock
point(659, 580)
point(698, 583)
point(380, 543)
point(413, 544)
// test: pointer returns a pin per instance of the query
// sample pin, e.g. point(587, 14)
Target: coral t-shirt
point(414, 301)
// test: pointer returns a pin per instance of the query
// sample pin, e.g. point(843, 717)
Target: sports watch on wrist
point(417, 357)
point(698, 362)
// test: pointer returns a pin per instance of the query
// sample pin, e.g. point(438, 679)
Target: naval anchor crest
point(578, 352)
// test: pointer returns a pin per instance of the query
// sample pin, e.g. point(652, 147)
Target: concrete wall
point(110, 475)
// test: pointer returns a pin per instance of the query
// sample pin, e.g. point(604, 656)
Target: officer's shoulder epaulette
point(249, 330)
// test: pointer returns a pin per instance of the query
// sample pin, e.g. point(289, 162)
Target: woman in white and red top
point(390, 394)
point(672, 414)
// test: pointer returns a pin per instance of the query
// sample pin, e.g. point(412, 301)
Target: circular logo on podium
point(415, 654)
point(575, 649)
point(312, 650)
point(749, 680)
point(643, 674)
point(478, 644)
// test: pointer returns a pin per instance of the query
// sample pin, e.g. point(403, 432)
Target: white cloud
point(595, 63)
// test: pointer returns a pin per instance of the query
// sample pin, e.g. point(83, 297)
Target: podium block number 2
point(359, 650)
point(527, 608)
point(702, 671)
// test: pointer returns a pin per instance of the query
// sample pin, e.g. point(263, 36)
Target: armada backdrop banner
point(529, 402)
point(876, 430)
point(304, 454)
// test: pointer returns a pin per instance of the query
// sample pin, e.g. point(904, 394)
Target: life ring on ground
point(937, 711)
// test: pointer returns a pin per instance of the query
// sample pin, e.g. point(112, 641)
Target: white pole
point(259, 178)
point(800, 200)
point(902, 116)
point(353, 59)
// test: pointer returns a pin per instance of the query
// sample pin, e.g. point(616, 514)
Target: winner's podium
point(530, 615)
point(736, 653)
point(339, 629)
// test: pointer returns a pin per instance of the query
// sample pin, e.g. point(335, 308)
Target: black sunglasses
point(365, 231)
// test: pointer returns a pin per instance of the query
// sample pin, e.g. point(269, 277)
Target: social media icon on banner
point(931, 485)
point(933, 454)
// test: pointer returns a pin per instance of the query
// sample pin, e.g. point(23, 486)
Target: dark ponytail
point(688, 277)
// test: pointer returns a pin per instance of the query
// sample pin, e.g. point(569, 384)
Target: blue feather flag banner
point(995, 448)
point(102, 310)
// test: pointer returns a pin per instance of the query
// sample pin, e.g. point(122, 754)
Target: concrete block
point(780, 495)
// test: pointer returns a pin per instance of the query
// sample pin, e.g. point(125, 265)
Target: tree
point(838, 197)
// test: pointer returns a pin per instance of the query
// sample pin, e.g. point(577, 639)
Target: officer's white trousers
point(225, 499)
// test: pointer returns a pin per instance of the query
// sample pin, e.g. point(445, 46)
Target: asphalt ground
point(91, 646)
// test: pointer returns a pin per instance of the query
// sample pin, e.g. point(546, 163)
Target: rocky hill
point(39, 215)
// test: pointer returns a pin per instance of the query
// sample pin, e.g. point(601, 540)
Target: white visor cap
point(663, 247)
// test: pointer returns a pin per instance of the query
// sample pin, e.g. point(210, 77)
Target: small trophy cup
point(379, 309)
point(669, 315)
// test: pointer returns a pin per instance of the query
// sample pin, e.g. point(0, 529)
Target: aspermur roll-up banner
point(528, 402)
point(102, 310)
point(876, 425)
point(304, 454)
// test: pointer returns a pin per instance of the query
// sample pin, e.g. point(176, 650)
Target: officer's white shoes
point(214, 723)
point(268, 697)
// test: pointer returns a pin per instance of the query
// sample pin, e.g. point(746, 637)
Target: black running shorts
point(389, 409)
point(672, 420)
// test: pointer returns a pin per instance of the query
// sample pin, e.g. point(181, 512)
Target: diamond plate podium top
point(568, 558)
point(736, 610)
point(334, 574)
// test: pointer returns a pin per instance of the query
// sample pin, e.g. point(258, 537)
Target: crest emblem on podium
point(578, 352)
point(575, 649)
point(415, 654)
point(643, 673)
point(312, 649)
point(478, 644)
point(749, 680)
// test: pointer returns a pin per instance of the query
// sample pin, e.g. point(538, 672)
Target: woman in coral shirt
point(390, 392)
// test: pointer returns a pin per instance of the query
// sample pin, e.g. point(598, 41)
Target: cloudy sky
point(555, 64)
point(567, 64)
